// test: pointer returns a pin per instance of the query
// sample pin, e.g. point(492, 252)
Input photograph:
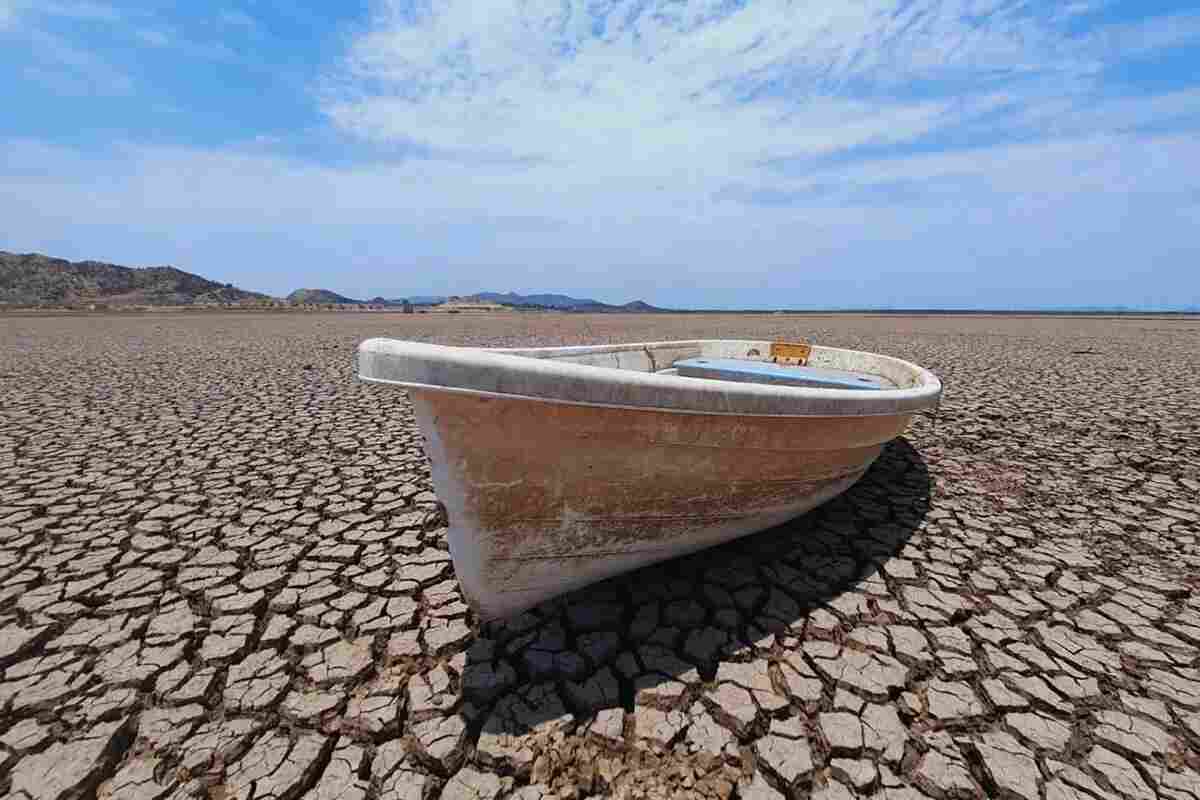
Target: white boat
point(561, 466)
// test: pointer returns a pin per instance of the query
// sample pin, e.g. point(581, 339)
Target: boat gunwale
point(689, 395)
point(664, 409)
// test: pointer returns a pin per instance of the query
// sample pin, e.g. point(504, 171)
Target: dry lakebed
point(220, 577)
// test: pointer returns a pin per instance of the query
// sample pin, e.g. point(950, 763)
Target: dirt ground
point(219, 578)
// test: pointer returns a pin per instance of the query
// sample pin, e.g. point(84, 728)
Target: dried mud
point(222, 575)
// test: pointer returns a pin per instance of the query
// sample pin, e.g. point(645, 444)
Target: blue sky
point(722, 153)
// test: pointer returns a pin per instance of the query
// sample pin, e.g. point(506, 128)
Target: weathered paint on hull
point(545, 497)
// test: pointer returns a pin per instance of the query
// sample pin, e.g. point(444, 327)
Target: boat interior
point(745, 361)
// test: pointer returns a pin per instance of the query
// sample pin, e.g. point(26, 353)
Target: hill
point(640, 306)
point(302, 297)
point(539, 300)
point(557, 302)
point(35, 279)
point(32, 279)
point(561, 302)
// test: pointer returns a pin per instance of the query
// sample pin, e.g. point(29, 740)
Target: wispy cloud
point(59, 62)
point(1127, 40)
point(13, 11)
point(701, 95)
point(69, 69)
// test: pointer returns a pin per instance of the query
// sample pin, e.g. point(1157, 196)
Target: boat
point(561, 466)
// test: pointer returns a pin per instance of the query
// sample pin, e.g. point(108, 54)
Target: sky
point(714, 153)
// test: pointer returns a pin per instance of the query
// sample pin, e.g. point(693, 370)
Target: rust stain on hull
point(543, 497)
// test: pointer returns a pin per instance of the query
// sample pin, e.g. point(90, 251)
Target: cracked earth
point(220, 577)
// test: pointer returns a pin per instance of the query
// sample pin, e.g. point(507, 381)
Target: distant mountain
point(319, 297)
point(561, 302)
point(540, 300)
point(35, 279)
point(327, 297)
point(418, 300)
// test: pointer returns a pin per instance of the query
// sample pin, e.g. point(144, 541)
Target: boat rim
point(529, 374)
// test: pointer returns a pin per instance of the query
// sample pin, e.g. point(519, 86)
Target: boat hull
point(545, 497)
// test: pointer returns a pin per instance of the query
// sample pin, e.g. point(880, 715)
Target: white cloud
point(1038, 223)
point(165, 187)
point(630, 95)
point(651, 85)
